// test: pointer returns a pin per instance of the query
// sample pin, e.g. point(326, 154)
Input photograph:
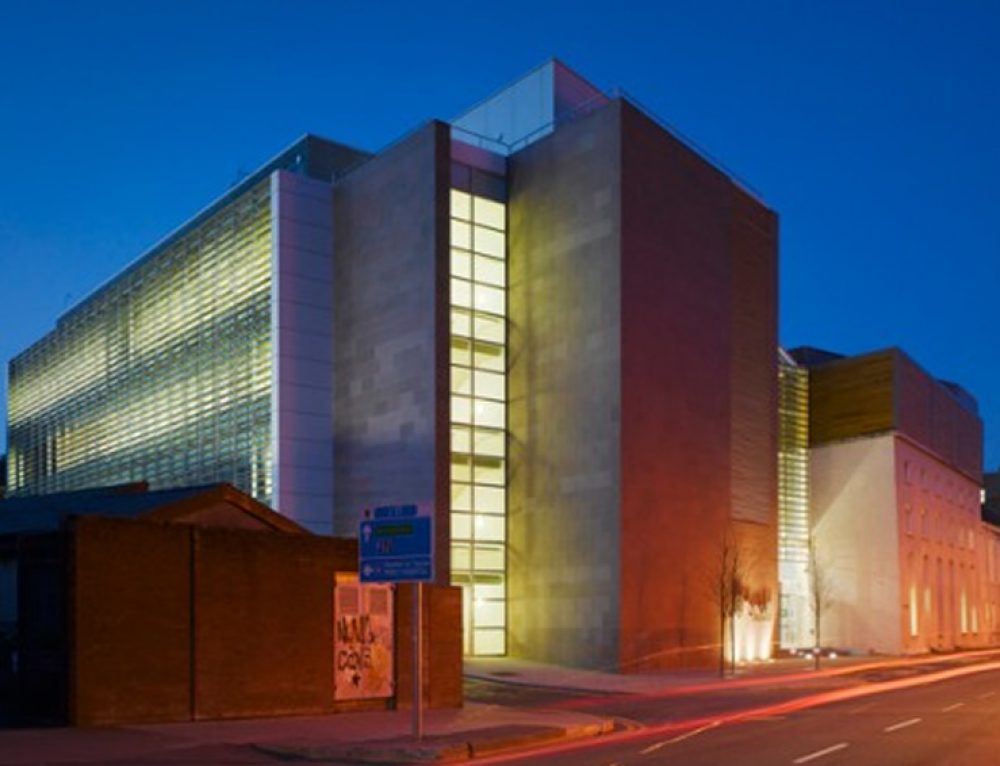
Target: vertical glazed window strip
point(479, 417)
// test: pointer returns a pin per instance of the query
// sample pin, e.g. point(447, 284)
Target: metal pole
point(418, 664)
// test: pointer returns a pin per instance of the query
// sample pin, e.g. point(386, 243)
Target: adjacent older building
point(550, 319)
point(895, 464)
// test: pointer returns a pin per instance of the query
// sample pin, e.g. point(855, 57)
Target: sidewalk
point(381, 737)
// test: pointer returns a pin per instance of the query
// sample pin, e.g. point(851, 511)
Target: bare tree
point(728, 588)
point(821, 595)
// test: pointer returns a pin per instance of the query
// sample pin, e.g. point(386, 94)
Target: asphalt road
point(954, 722)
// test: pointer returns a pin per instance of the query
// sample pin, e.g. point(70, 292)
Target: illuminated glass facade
point(793, 503)
point(163, 375)
point(478, 417)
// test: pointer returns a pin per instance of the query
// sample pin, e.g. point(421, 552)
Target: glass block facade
point(163, 375)
point(793, 503)
point(478, 417)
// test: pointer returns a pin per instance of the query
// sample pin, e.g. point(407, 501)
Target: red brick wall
point(264, 622)
point(261, 626)
point(130, 627)
point(442, 646)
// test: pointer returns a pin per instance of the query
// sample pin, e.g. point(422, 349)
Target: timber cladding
point(886, 390)
point(851, 397)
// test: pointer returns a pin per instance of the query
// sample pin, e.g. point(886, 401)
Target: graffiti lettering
point(352, 659)
point(355, 630)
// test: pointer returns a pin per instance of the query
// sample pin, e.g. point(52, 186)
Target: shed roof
point(48, 513)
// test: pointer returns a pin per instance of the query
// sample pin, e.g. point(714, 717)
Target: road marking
point(948, 709)
point(821, 753)
point(987, 695)
point(902, 725)
point(687, 735)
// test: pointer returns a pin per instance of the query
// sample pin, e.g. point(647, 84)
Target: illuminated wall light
point(753, 633)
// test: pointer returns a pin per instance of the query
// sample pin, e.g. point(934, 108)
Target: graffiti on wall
point(363, 641)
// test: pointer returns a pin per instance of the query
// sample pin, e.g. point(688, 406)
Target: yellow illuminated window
point(461, 235)
point(461, 293)
point(461, 264)
point(490, 213)
point(461, 381)
point(461, 204)
point(490, 271)
point(490, 385)
point(489, 442)
point(478, 387)
point(489, 242)
point(461, 497)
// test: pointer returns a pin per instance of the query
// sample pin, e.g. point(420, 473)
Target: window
point(479, 417)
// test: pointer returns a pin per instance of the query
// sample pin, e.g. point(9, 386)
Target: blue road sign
point(395, 544)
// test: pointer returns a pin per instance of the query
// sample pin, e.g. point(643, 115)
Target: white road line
point(821, 753)
point(948, 709)
point(687, 735)
point(902, 725)
point(987, 695)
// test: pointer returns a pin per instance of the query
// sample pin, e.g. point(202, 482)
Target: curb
point(442, 748)
point(581, 691)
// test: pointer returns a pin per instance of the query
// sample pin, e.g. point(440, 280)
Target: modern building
point(206, 360)
point(550, 319)
point(895, 470)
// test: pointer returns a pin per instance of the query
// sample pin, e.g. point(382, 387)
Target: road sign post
point(396, 544)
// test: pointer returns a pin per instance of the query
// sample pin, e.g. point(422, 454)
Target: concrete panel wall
point(391, 333)
point(853, 507)
point(563, 389)
point(302, 370)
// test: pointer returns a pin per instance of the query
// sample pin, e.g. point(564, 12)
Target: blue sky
point(872, 127)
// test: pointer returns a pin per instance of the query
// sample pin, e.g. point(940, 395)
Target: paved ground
point(556, 713)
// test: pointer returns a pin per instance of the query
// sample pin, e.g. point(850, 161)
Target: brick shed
point(129, 606)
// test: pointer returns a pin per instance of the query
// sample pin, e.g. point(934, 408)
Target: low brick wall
point(175, 623)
